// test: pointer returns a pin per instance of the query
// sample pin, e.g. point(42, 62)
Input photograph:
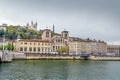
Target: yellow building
point(32, 46)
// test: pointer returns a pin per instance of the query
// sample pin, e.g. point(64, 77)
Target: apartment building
point(89, 46)
point(114, 49)
point(79, 46)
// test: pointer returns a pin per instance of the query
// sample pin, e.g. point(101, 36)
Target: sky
point(96, 19)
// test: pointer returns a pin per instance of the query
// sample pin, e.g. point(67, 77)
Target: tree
point(10, 47)
point(62, 50)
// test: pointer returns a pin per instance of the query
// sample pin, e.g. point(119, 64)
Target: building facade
point(114, 49)
point(79, 46)
point(46, 35)
point(87, 46)
point(58, 40)
point(32, 46)
point(98, 47)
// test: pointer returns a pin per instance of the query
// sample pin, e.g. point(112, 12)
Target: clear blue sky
point(99, 19)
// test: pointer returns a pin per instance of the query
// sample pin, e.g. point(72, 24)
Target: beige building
point(79, 46)
point(98, 47)
point(115, 49)
point(57, 43)
point(33, 46)
point(58, 40)
point(46, 35)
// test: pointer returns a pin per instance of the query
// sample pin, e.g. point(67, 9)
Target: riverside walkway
point(105, 58)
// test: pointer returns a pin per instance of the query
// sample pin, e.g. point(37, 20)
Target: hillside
point(14, 32)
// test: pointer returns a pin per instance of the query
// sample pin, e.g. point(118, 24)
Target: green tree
point(62, 50)
point(10, 46)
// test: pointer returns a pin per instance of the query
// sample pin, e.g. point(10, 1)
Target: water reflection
point(60, 70)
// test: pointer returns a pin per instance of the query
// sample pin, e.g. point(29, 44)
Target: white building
point(3, 27)
point(32, 26)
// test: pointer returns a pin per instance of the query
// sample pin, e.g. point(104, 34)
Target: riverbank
point(73, 58)
point(57, 58)
point(22, 56)
point(105, 58)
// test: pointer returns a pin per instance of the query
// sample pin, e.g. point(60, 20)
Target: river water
point(60, 70)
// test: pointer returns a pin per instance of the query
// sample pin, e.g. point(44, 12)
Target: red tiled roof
point(31, 40)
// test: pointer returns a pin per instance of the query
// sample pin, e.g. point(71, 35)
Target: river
point(60, 70)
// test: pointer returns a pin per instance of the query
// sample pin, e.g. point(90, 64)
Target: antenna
point(53, 28)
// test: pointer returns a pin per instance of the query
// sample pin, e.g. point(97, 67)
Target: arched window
point(30, 49)
point(25, 48)
point(34, 49)
point(47, 33)
point(38, 49)
point(21, 48)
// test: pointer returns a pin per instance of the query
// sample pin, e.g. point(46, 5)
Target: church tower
point(46, 35)
point(65, 34)
point(65, 37)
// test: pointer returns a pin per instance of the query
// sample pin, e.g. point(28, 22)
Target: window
point(38, 43)
point(34, 49)
point(38, 49)
point(30, 49)
point(47, 33)
point(58, 47)
point(25, 43)
point(21, 49)
point(66, 36)
point(58, 40)
point(34, 43)
point(25, 48)
point(30, 43)
point(53, 48)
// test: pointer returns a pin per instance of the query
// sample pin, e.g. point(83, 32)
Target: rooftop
point(34, 40)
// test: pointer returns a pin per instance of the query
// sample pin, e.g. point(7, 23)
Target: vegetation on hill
point(14, 32)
